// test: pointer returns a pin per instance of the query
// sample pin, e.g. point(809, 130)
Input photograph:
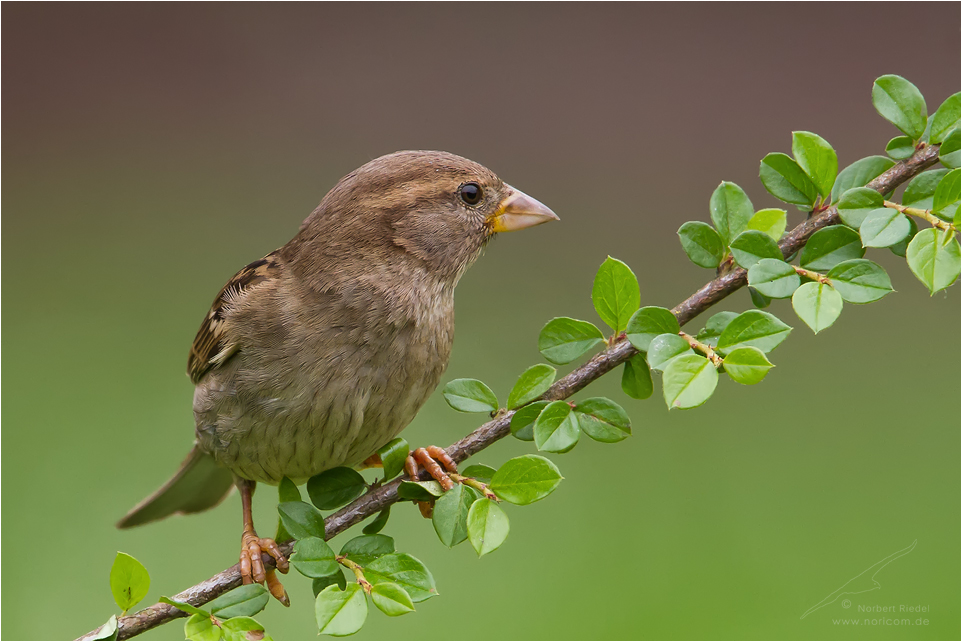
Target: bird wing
point(212, 345)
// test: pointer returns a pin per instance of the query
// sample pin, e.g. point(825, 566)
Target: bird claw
point(252, 565)
point(428, 458)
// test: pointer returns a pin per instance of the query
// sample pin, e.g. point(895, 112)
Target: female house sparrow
point(321, 352)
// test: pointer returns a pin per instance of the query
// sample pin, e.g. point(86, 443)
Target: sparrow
point(320, 353)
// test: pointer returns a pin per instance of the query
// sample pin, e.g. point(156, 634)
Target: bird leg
point(374, 461)
point(428, 458)
point(251, 565)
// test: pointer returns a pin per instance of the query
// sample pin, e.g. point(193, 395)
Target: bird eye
point(470, 193)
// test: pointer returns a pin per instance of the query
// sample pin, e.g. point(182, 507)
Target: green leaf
point(859, 174)
point(242, 628)
point(747, 365)
point(107, 630)
point(286, 492)
point(200, 627)
point(313, 558)
point(335, 487)
point(647, 323)
point(364, 549)
point(857, 203)
point(900, 248)
point(636, 378)
point(301, 519)
point(945, 119)
point(615, 293)
point(190, 609)
point(522, 423)
point(771, 221)
point(715, 326)
point(884, 227)
point(817, 159)
point(900, 147)
point(759, 300)
point(391, 599)
point(393, 455)
point(830, 246)
point(688, 381)
point(603, 420)
point(933, 257)
point(419, 491)
point(860, 281)
point(920, 191)
point(751, 246)
point(487, 526)
point(470, 395)
point(247, 599)
point(564, 339)
point(377, 524)
point(480, 472)
point(406, 571)
point(340, 612)
point(556, 430)
point(321, 583)
point(525, 479)
point(730, 210)
point(451, 514)
point(702, 244)
point(945, 202)
point(817, 304)
point(949, 152)
point(129, 581)
point(775, 279)
point(901, 103)
point(664, 348)
point(786, 181)
point(753, 328)
point(532, 383)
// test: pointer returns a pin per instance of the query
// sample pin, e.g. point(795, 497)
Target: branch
point(375, 500)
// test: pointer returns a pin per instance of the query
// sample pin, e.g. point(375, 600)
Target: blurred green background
point(152, 150)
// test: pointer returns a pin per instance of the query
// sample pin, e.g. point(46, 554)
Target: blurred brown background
point(152, 150)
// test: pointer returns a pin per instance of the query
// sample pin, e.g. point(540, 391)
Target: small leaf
point(860, 281)
point(702, 244)
point(900, 248)
point(901, 103)
point(817, 304)
point(830, 246)
point(525, 479)
point(419, 491)
point(603, 420)
point(406, 571)
point(786, 181)
point(470, 395)
point(753, 328)
point(636, 378)
point(391, 599)
point(747, 366)
point(564, 339)
point(859, 174)
point(945, 119)
point(945, 202)
point(487, 526)
point(884, 227)
point(335, 488)
point(751, 246)
point(949, 152)
point(312, 558)
point(532, 383)
point(340, 612)
point(647, 323)
point(775, 279)
point(664, 348)
point(715, 326)
point(364, 549)
point(190, 609)
point(615, 293)
point(321, 583)
point(242, 628)
point(817, 159)
point(129, 581)
point(480, 472)
point(759, 300)
point(377, 524)
point(247, 599)
point(920, 191)
point(200, 627)
point(451, 514)
point(771, 221)
point(730, 210)
point(900, 147)
point(107, 630)
point(301, 519)
point(933, 257)
point(393, 455)
point(522, 423)
point(688, 381)
point(556, 429)
point(857, 203)
point(286, 492)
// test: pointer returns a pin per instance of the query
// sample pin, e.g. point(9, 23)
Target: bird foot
point(252, 566)
point(428, 458)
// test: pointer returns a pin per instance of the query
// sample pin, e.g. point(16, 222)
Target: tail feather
point(199, 484)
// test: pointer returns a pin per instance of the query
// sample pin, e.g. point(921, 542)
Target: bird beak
point(518, 211)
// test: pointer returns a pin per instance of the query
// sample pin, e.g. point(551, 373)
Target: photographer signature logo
point(861, 583)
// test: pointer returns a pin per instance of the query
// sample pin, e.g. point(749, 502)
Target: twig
point(377, 499)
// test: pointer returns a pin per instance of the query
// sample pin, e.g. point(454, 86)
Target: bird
point(321, 352)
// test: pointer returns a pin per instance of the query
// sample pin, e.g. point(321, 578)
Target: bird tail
point(199, 484)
